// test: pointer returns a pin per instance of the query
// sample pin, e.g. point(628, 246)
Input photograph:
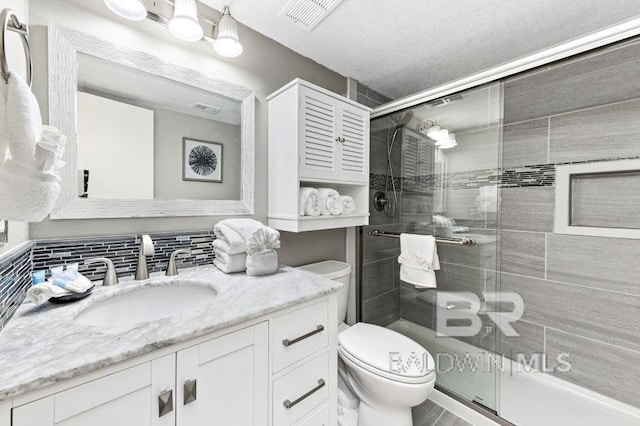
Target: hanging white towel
point(24, 123)
point(309, 202)
point(329, 202)
point(418, 260)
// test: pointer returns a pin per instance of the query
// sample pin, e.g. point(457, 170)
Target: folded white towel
point(329, 202)
point(262, 263)
point(230, 262)
point(24, 123)
point(236, 232)
point(348, 204)
point(418, 260)
point(226, 267)
point(42, 292)
point(309, 204)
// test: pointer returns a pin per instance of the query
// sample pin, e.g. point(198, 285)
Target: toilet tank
point(337, 271)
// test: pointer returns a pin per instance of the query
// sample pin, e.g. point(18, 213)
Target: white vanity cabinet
point(319, 139)
point(277, 370)
point(224, 379)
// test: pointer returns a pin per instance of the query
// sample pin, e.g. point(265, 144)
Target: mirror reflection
point(142, 136)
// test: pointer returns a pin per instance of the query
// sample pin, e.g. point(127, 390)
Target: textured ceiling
point(404, 46)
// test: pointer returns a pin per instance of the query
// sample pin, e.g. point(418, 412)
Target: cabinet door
point(125, 398)
point(225, 381)
point(318, 150)
point(354, 144)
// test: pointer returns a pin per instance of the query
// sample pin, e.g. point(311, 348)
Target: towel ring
point(11, 22)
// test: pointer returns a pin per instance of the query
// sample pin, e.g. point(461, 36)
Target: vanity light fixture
point(184, 24)
point(227, 43)
point(129, 9)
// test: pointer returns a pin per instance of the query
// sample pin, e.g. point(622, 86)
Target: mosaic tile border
point(519, 177)
point(15, 280)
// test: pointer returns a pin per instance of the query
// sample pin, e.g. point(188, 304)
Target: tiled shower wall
point(581, 293)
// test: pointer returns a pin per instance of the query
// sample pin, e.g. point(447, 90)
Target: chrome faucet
point(146, 249)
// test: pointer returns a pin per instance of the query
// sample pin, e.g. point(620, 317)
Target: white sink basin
point(144, 305)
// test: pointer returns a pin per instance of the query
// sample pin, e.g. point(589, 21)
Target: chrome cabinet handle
point(190, 391)
point(287, 342)
point(165, 403)
point(288, 404)
point(341, 140)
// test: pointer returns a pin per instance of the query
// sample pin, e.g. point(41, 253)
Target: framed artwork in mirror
point(4, 232)
point(201, 160)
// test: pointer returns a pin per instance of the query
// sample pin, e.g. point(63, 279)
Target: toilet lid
point(386, 350)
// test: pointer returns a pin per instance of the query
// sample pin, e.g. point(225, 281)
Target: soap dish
point(68, 298)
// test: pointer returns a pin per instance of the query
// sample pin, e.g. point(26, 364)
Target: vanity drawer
point(300, 391)
point(320, 417)
point(298, 334)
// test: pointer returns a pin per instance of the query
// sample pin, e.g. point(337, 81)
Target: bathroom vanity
point(255, 351)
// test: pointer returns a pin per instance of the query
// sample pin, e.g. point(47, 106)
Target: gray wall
point(264, 67)
point(169, 128)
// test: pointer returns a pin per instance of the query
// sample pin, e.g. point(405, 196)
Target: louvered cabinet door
point(318, 127)
point(353, 146)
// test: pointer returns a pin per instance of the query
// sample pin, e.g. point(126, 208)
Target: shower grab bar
point(467, 242)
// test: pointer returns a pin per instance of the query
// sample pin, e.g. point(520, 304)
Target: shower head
point(402, 119)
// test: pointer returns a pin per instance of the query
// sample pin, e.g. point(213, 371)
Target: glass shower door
point(439, 174)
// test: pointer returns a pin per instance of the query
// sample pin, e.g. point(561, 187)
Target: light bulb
point(184, 24)
point(129, 9)
point(227, 43)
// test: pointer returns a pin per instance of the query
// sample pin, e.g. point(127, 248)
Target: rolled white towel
point(348, 204)
point(42, 292)
point(309, 202)
point(328, 199)
point(236, 232)
point(231, 262)
point(334, 206)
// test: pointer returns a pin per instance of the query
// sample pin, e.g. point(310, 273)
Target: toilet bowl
point(386, 370)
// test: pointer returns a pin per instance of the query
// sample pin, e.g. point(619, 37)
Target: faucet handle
point(172, 269)
point(110, 277)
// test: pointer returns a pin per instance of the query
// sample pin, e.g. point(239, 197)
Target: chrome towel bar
point(11, 22)
point(467, 242)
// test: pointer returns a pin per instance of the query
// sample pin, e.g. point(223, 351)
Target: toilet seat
point(370, 347)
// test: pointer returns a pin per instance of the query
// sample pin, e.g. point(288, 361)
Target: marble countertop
point(43, 345)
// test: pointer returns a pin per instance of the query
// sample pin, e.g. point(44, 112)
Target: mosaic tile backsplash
point(123, 252)
point(15, 279)
point(17, 268)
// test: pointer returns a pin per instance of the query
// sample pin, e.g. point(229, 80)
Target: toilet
point(386, 370)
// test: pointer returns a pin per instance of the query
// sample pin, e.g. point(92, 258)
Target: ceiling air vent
point(207, 109)
point(308, 13)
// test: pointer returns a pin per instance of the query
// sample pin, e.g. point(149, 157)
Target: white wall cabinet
point(320, 139)
point(229, 380)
